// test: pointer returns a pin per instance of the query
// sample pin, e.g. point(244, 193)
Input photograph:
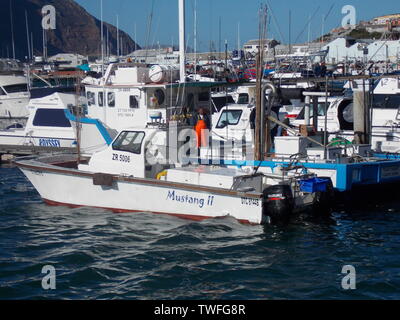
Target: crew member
point(202, 125)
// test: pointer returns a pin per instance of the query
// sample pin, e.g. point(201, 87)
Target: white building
point(251, 47)
point(341, 49)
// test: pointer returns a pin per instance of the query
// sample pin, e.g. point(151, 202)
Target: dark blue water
point(102, 255)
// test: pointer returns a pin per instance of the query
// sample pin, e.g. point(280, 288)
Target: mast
point(261, 143)
point(219, 38)
point(102, 39)
point(195, 38)
point(117, 36)
point(135, 36)
point(238, 38)
point(290, 32)
point(32, 45)
point(12, 30)
point(182, 40)
point(27, 35)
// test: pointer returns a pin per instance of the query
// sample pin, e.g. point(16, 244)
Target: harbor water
point(98, 254)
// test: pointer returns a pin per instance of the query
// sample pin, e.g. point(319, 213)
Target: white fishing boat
point(47, 125)
point(124, 178)
point(384, 114)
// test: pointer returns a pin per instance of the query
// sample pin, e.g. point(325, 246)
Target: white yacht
point(14, 93)
point(47, 124)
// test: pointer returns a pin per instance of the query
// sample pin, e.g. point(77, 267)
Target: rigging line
point(275, 21)
point(307, 23)
point(149, 22)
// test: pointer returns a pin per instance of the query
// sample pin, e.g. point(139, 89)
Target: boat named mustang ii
point(124, 178)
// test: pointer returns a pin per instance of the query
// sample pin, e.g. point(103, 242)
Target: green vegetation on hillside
point(361, 33)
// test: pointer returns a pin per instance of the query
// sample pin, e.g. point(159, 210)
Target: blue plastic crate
point(314, 185)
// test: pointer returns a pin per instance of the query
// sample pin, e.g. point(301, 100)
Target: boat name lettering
point(49, 143)
point(185, 198)
point(250, 202)
point(121, 157)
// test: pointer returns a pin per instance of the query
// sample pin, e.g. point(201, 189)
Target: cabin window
point(133, 102)
point(101, 99)
point(111, 99)
point(204, 96)
point(129, 141)
point(221, 102)
point(14, 88)
point(386, 101)
point(160, 95)
point(51, 118)
point(2, 93)
point(321, 111)
point(243, 98)
point(229, 117)
point(90, 98)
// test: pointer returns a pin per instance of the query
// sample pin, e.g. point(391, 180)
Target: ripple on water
point(102, 255)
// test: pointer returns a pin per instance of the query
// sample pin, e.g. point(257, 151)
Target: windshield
point(129, 141)
point(229, 117)
point(14, 88)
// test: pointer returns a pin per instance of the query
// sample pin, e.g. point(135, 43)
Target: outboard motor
point(278, 204)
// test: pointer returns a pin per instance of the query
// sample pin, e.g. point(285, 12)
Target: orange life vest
point(201, 133)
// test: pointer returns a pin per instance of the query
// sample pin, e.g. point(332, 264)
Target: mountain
point(76, 30)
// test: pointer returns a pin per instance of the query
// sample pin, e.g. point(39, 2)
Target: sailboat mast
point(102, 39)
point(195, 38)
point(12, 30)
point(27, 35)
point(182, 40)
point(117, 36)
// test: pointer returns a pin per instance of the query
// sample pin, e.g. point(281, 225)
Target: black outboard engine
point(278, 204)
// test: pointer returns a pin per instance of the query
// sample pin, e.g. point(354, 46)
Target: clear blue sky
point(164, 27)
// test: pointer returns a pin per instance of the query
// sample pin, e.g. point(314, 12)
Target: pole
point(32, 45)
point(360, 103)
point(326, 119)
point(182, 40)
point(102, 39)
point(12, 30)
point(307, 111)
point(290, 31)
point(117, 36)
point(27, 35)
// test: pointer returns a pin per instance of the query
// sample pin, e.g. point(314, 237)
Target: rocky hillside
point(76, 30)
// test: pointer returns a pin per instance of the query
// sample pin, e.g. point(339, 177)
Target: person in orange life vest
point(202, 125)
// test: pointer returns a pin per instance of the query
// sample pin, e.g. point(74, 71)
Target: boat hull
point(64, 186)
